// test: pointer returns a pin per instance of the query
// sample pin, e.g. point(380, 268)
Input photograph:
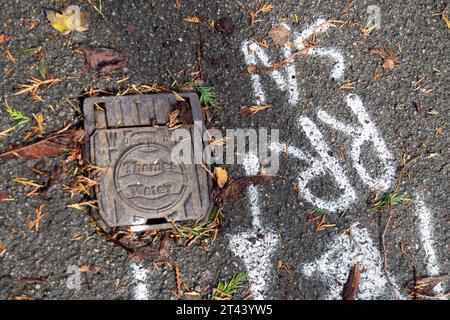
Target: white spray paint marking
point(319, 166)
point(255, 247)
point(334, 266)
point(317, 27)
point(365, 133)
point(286, 80)
point(338, 69)
point(256, 252)
point(141, 275)
point(426, 235)
point(325, 164)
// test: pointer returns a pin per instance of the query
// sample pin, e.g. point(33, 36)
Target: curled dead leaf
point(103, 59)
point(49, 147)
point(351, 287)
point(279, 35)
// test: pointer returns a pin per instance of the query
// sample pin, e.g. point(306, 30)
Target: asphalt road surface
point(345, 131)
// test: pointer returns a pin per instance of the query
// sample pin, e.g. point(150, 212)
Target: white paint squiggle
point(366, 132)
point(255, 247)
point(426, 229)
point(333, 267)
point(141, 275)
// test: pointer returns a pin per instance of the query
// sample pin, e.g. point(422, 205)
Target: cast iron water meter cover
point(141, 186)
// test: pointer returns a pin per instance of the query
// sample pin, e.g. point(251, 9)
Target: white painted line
point(366, 132)
point(256, 246)
point(255, 249)
point(317, 27)
point(338, 69)
point(426, 230)
point(251, 165)
point(320, 166)
point(140, 275)
point(333, 267)
point(286, 80)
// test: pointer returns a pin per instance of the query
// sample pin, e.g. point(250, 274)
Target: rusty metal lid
point(141, 186)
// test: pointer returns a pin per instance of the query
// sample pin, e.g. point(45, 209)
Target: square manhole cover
point(141, 186)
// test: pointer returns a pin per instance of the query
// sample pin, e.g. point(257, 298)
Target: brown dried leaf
point(388, 65)
point(424, 285)
point(390, 61)
point(49, 147)
point(351, 287)
point(221, 176)
point(164, 247)
point(236, 188)
point(279, 34)
point(103, 59)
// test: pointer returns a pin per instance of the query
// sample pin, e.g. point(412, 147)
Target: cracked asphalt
point(412, 120)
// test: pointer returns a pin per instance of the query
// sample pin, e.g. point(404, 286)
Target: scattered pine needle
point(247, 111)
point(265, 8)
point(6, 132)
point(347, 84)
point(35, 224)
point(196, 20)
point(82, 205)
point(34, 85)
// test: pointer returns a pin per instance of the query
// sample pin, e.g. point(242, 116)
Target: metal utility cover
point(141, 186)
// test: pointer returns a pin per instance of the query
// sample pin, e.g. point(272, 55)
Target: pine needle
point(226, 289)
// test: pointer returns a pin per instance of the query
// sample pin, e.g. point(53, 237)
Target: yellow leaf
point(71, 19)
point(221, 175)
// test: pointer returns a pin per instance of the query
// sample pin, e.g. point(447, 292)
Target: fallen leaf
point(103, 59)
point(2, 38)
point(221, 176)
point(71, 19)
point(424, 285)
point(351, 287)
point(389, 60)
point(236, 188)
point(49, 147)
point(388, 65)
point(279, 35)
